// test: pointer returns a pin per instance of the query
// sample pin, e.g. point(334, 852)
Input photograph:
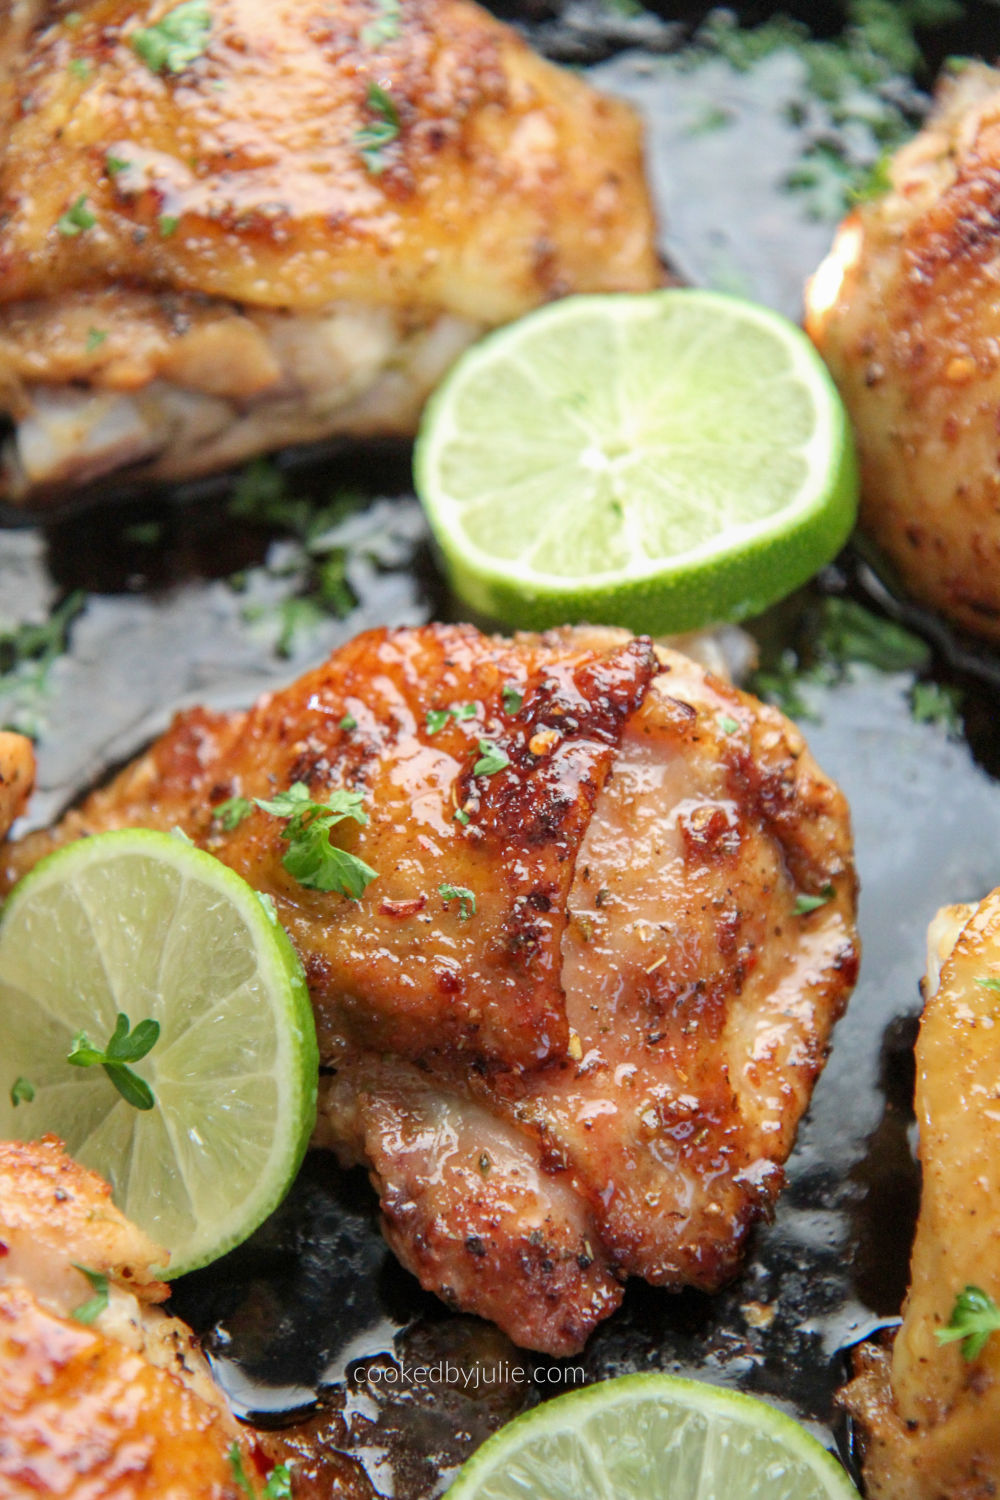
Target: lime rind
point(138, 921)
point(660, 499)
point(653, 1437)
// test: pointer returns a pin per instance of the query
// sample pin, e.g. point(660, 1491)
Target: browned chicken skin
point(246, 272)
point(121, 1406)
point(599, 1070)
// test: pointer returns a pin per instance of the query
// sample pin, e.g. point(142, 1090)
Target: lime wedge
point(142, 924)
point(660, 461)
point(642, 1437)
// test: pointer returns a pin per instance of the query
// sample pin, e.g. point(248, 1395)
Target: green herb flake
point(231, 813)
point(348, 722)
point(22, 1092)
point(973, 1318)
point(168, 225)
point(805, 904)
point(125, 1046)
point(80, 67)
point(937, 703)
point(436, 719)
point(512, 699)
point(728, 725)
point(27, 653)
point(491, 759)
point(373, 138)
point(279, 1481)
point(115, 164)
point(176, 40)
point(987, 982)
point(461, 816)
point(465, 898)
point(95, 338)
point(386, 26)
point(91, 1309)
point(76, 219)
point(311, 859)
point(72, 19)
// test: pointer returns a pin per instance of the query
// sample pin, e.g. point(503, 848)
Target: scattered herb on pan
point(95, 1305)
point(465, 898)
point(76, 219)
point(22, 1092)
point(27, 652)
point(937, 703)
point(973, 1318)
point(126, 1045)
point(491, 759)
point(311, 859)
point(381, 130)
point(176, 40)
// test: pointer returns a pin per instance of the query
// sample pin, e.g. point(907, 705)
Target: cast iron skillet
point(188, 600)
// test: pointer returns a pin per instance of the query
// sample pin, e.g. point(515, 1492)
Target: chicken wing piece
point(931, 1417)
point(17, 777)
point(572, 1030)
point(906, 315)
point(285, 225)
point(114, 1401)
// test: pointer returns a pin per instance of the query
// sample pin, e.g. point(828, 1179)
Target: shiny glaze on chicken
point(249, 272)
point(930, 1418)
point(122, 1405)
point(906, 314)
point(599, 1071)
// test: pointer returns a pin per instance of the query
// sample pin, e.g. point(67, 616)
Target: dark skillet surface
point(296, 1316)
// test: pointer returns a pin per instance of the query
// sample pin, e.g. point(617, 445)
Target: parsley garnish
point(91, 1309)
point(936, 703)
point(437, 718)
point(973, 1318)
point(989, 983)
point(95, 338)
point(115, 164)
point(176, 40)
point(279, 1483)
point(372, 139)
point(806, 904)
point(231, 813)
point(465, 898)
point(124, 1047)
point(460, 816)
point(79, 67)
point(27, 652)
point(168, 224)
point(728, 725)
point(22, 1092)
point(491, 759)
point(348, 722)
point(77, 218)
point(312, 859)
point(386, 26)
point(512, 699)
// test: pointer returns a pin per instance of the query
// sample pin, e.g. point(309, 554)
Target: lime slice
point(145, 924)
point(661, 461)
point(641, 1437)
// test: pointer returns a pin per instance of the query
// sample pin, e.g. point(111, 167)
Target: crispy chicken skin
point(906, 314)
point(122, 1406)
point(17, 777)
point(599, 1070)
point(254, 274)
point(931, 1418)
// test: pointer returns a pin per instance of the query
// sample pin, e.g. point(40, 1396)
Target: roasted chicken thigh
point(906, 314)
point(572, 1023)
point(231, 227)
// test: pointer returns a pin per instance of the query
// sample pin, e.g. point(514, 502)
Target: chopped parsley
point(491, 759)
point(76, 219)
point(348, 722)
point(512, 699)
point(125, 1046)
point(437, 718)
point(176, 40)
point(461, 816)
point(115, 164)
point(279, 1482)
point(387, 23)
point(805, 904)
point(937, 703)
point(95, 338)
point(168, 225)
point(373, 138)
point(311, 859)
point(95, 1305)
point(27, 652)
point(728, 725)
point(465, 898)
point(988, 983)
point(79, 67)
point(973, 1318)
point(22, 1092)
point(231, 813)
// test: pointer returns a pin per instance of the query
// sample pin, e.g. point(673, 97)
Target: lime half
point(652, 1437)
point(660, 461)
point(142, 924)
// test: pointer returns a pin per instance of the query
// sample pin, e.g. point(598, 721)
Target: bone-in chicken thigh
point(573, 1021)
point(236, 226)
